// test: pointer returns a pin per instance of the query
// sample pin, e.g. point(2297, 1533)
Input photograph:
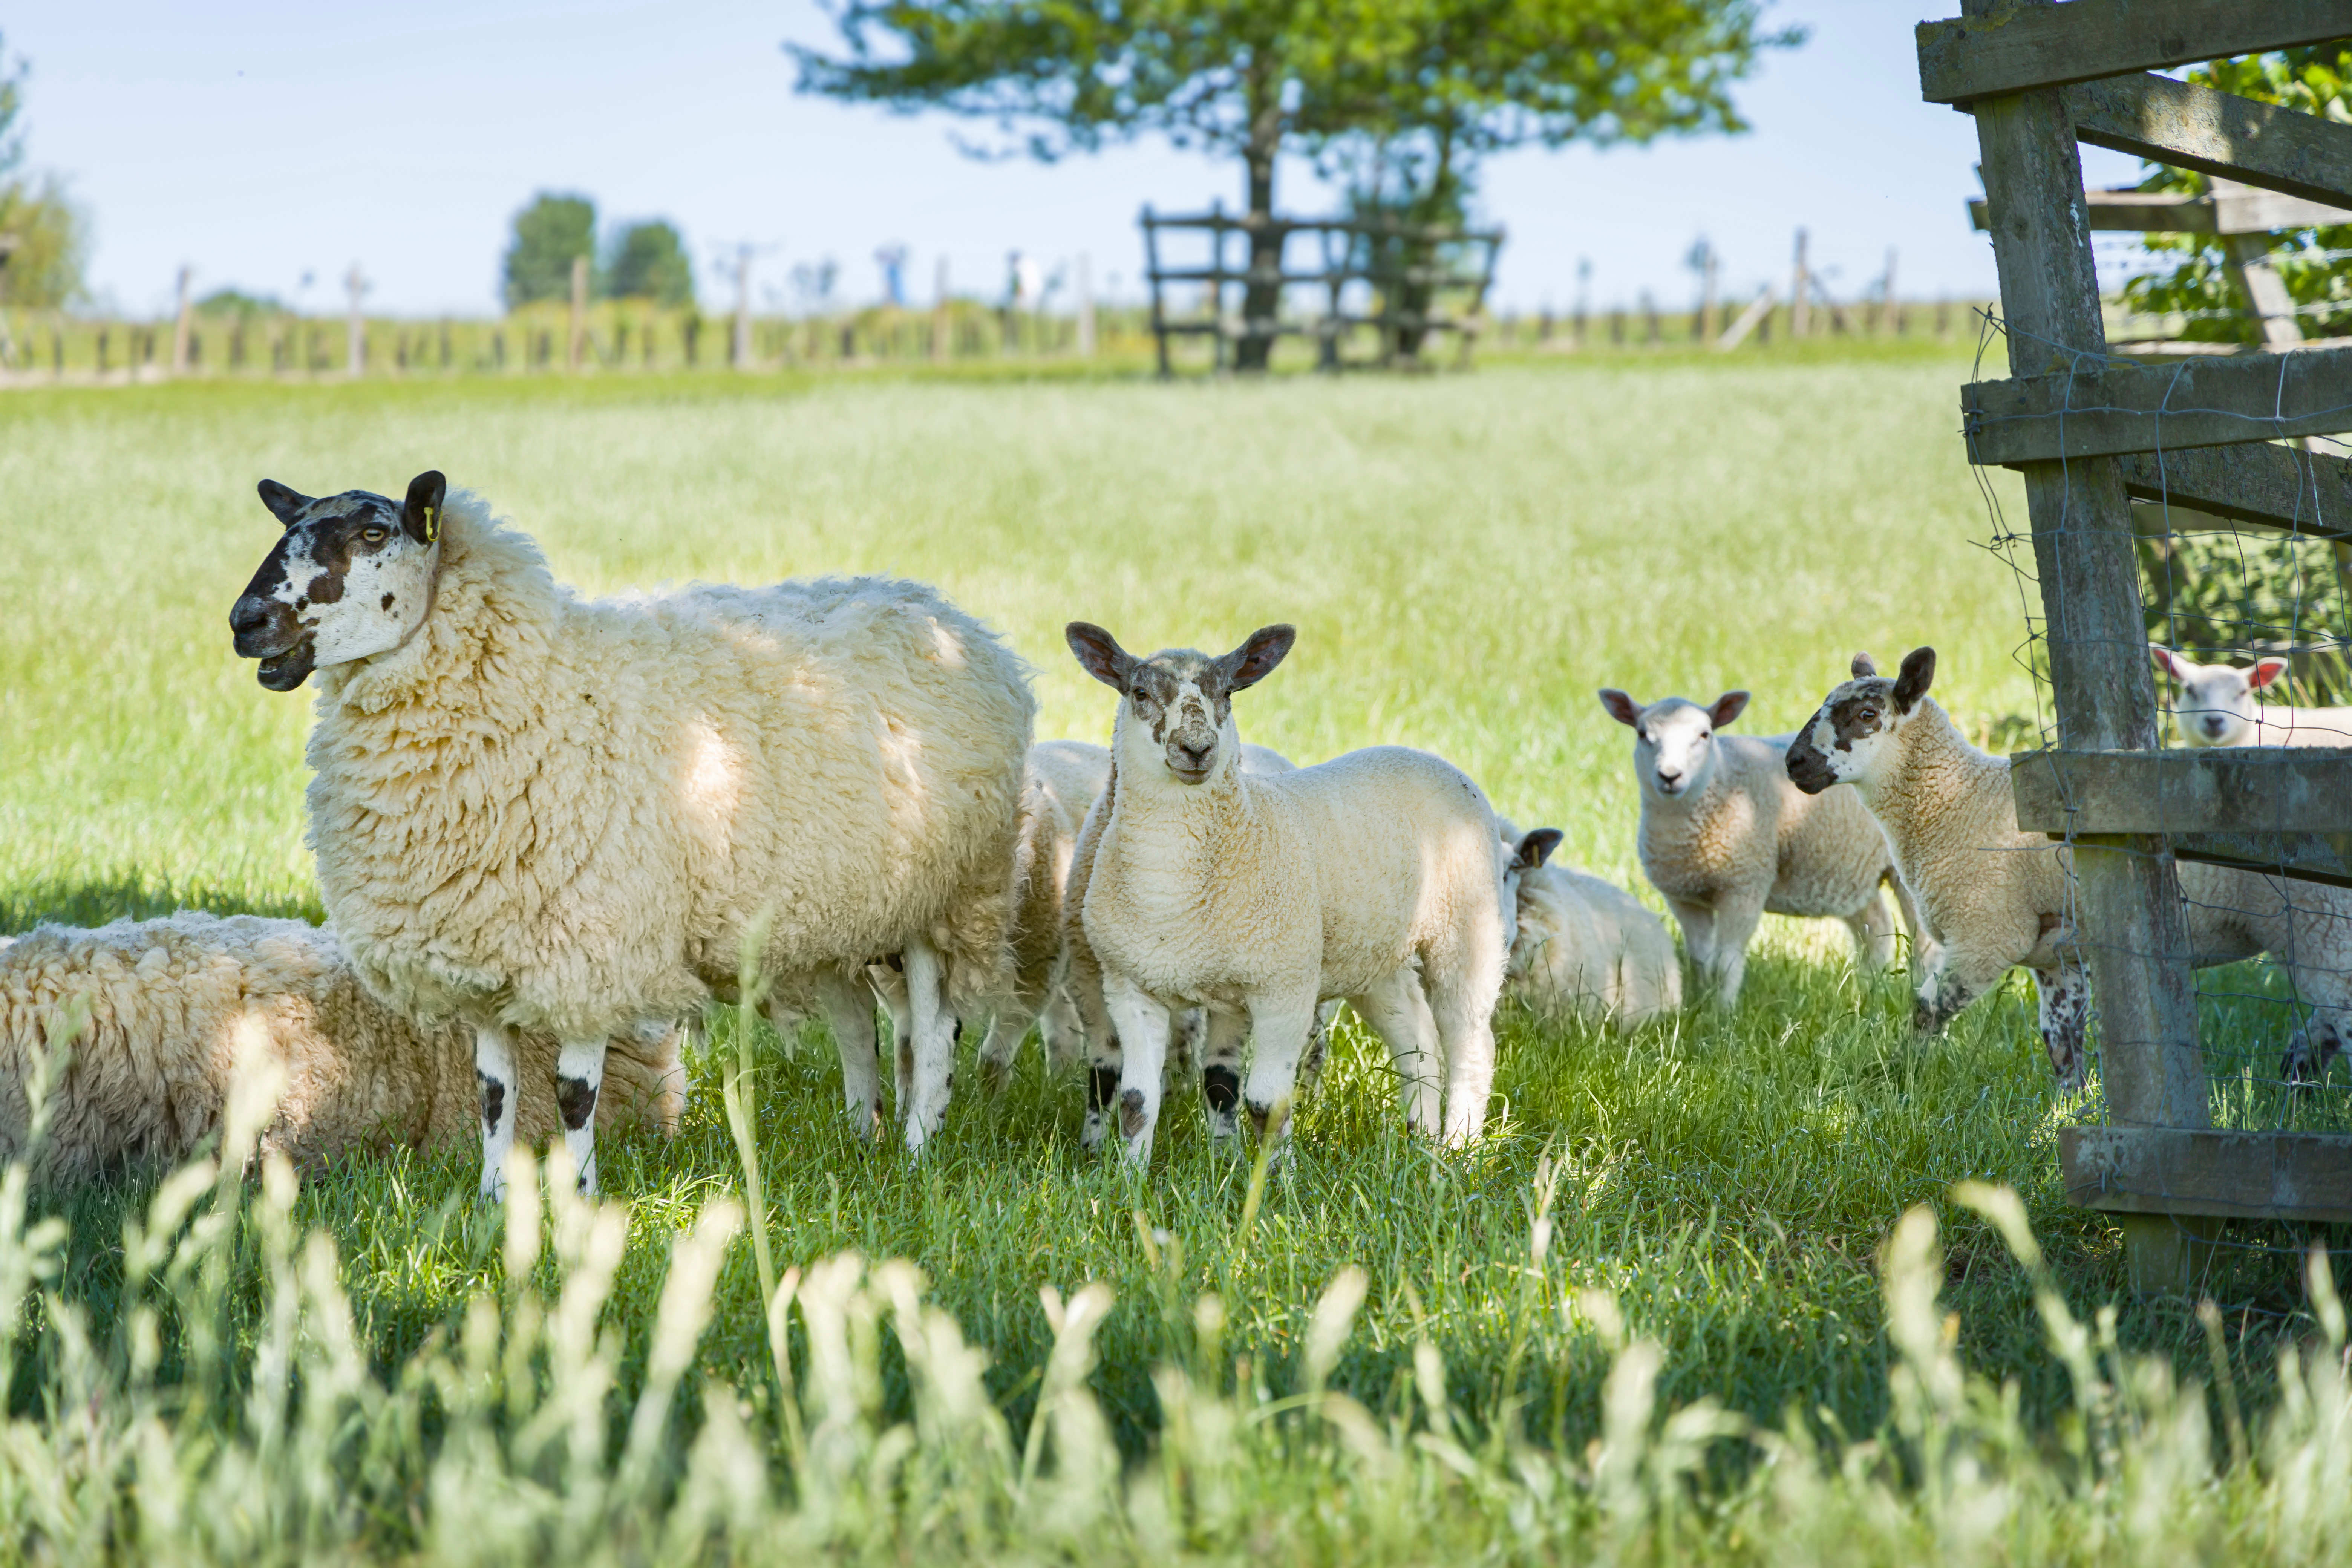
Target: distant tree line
point(44, 239)
point(643, 260)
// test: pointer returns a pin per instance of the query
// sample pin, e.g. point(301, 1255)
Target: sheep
point(1372, 876)
point(2218, 707)
point(1994, 898)
point(165, 1004)
point(1726, 839)
point(1579, 944)
point(535, 810)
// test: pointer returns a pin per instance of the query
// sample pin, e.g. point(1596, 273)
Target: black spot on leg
point(1102, 1087)
point(1221, 1087)
point(387, 605)
point(576, 1097)
point(1130, 1112)
point(957, 1038)
point(494, 1101)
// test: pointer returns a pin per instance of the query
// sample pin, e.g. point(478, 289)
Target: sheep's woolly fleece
point(170, 1006)
point(568, 814)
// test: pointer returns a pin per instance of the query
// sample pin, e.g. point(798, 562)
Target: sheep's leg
point(935, 1027)
point(1318, 1044)
point(1465, 1032)
point(1735, 927)
point(1923, 945)
point(1142, 1024)
point(999, 1049)
point(1186, 1032)
point(1061, 1032)
point(1221, 1078)
point(2066, 996)
point(850, 1007)
point(579, 1074)
point(1948, 988)
point(1697, 923)
point(1279, 1026)
point(889, 981)
point(1873, 934)
point(494, 1070)
point(1399, 1013)
point(1102, 1045)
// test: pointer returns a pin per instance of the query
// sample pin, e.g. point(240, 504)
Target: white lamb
point(1373, 877)
point(538, 811)
point(1726, 840)
point(166, 1006)
point(1994, 898)
point(2218, 707)
point(1579, 944)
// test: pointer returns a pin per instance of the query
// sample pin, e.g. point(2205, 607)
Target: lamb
point(538, 811)
point(1994, 898)
point(1579, 944)
point(166, 1002)
point(2218, 707)
point(1726, 840)
point(1373, 877)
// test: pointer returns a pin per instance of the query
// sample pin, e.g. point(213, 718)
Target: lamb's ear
point(1728, 707)
point(2265, 670)
point(1254, 660)
point(284, 504)
point(1918, 674)
point(1100, 654)
point(1864, 667)
point(1622, 708)
point(2168, 661)
point(1537, 847)
point(420, 514)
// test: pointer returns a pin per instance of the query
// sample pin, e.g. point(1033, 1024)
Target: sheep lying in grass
point(1580, 945)
point(167, 1005)
point(1994, 898)
point(1726, 840)
point(2218, 707)
point(537, 811)
point(1373, 877)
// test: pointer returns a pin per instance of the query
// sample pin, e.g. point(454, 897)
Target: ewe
point(1373, 877)
point(1580, 945)
point(2218, 707)
point(1994, 898)
point(168, 1004)
point(1726, 840)
point(539, 811)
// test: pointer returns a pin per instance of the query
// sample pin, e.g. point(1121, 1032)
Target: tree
point(1441, 82)
point(649, 262)
point(547, 236)
point(47, 238)
point(12, 105)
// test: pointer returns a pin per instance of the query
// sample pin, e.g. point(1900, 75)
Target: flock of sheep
point(549, 830)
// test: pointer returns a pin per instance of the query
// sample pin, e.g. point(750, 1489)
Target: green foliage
point(46, 270)
point(12, 108)
point(237, 302)
point(547, 236)
point(649, 261)
point(2316, 81)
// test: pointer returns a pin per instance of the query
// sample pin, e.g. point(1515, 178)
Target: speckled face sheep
point(1373, 877)
point(2218, 707)
point(1727, 839)
point(534, 810)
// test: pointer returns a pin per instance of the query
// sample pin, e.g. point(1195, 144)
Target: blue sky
point(262, 143)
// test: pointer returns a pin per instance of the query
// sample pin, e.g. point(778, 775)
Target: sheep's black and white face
point(1674, 738)
point(1183, 700)
point(1854, 729)
point(352, 577)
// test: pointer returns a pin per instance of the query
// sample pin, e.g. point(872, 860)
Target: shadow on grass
point(135, 896)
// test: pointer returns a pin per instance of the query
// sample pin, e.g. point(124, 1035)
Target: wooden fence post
point(180, 326)
point(942, 320)
point(355, 327)
point(1085, 344)
point(740, 350)
point(1800, 291)
point(579, 322)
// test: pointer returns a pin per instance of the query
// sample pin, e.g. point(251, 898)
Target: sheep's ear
point(1100, 654)
point(1728, 707)
point(420, 514)
point(1864, 667)
point(2168, 661)
point(1622, 708)
point(1254, 660)
point(2265, 670)
point(285, 505)
point(1918, 674)
point(1537, 847)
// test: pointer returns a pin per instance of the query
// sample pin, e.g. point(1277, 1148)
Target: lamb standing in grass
point(1580, 945)
point(2218, 707)
point(1994, 898)
point(537, 811)
point(165, 1004)
point(1373, 877)
point(1727, 840)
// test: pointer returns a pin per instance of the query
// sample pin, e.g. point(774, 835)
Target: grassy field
point(1468, 559)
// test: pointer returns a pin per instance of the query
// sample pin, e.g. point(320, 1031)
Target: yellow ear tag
point(432, 524)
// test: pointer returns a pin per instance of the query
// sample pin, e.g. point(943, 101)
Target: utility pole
point(180, 329)
point(1799, 291)
point(355, 333)
point(1706, 297)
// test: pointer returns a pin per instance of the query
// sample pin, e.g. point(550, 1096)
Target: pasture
point(1466, 559)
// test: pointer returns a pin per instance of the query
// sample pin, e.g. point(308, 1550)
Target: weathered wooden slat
point(2217, 133)
point(2221, 789)
point(2271, 486)
point(2014, 48)
point(2300, 856)
point(2244, 211)
point(2106, 407)
point(2245, 1175)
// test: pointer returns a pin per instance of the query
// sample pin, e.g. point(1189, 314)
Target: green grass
point(1468, 559)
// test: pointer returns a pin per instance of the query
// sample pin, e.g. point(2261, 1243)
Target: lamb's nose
point(250, 615)
point(1195, 757)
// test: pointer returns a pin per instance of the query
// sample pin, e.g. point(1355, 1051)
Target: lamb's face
point(2217, 703)
point(1179, 704)
point(1853, 731)
point(352, 577)
point(1674, 739)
